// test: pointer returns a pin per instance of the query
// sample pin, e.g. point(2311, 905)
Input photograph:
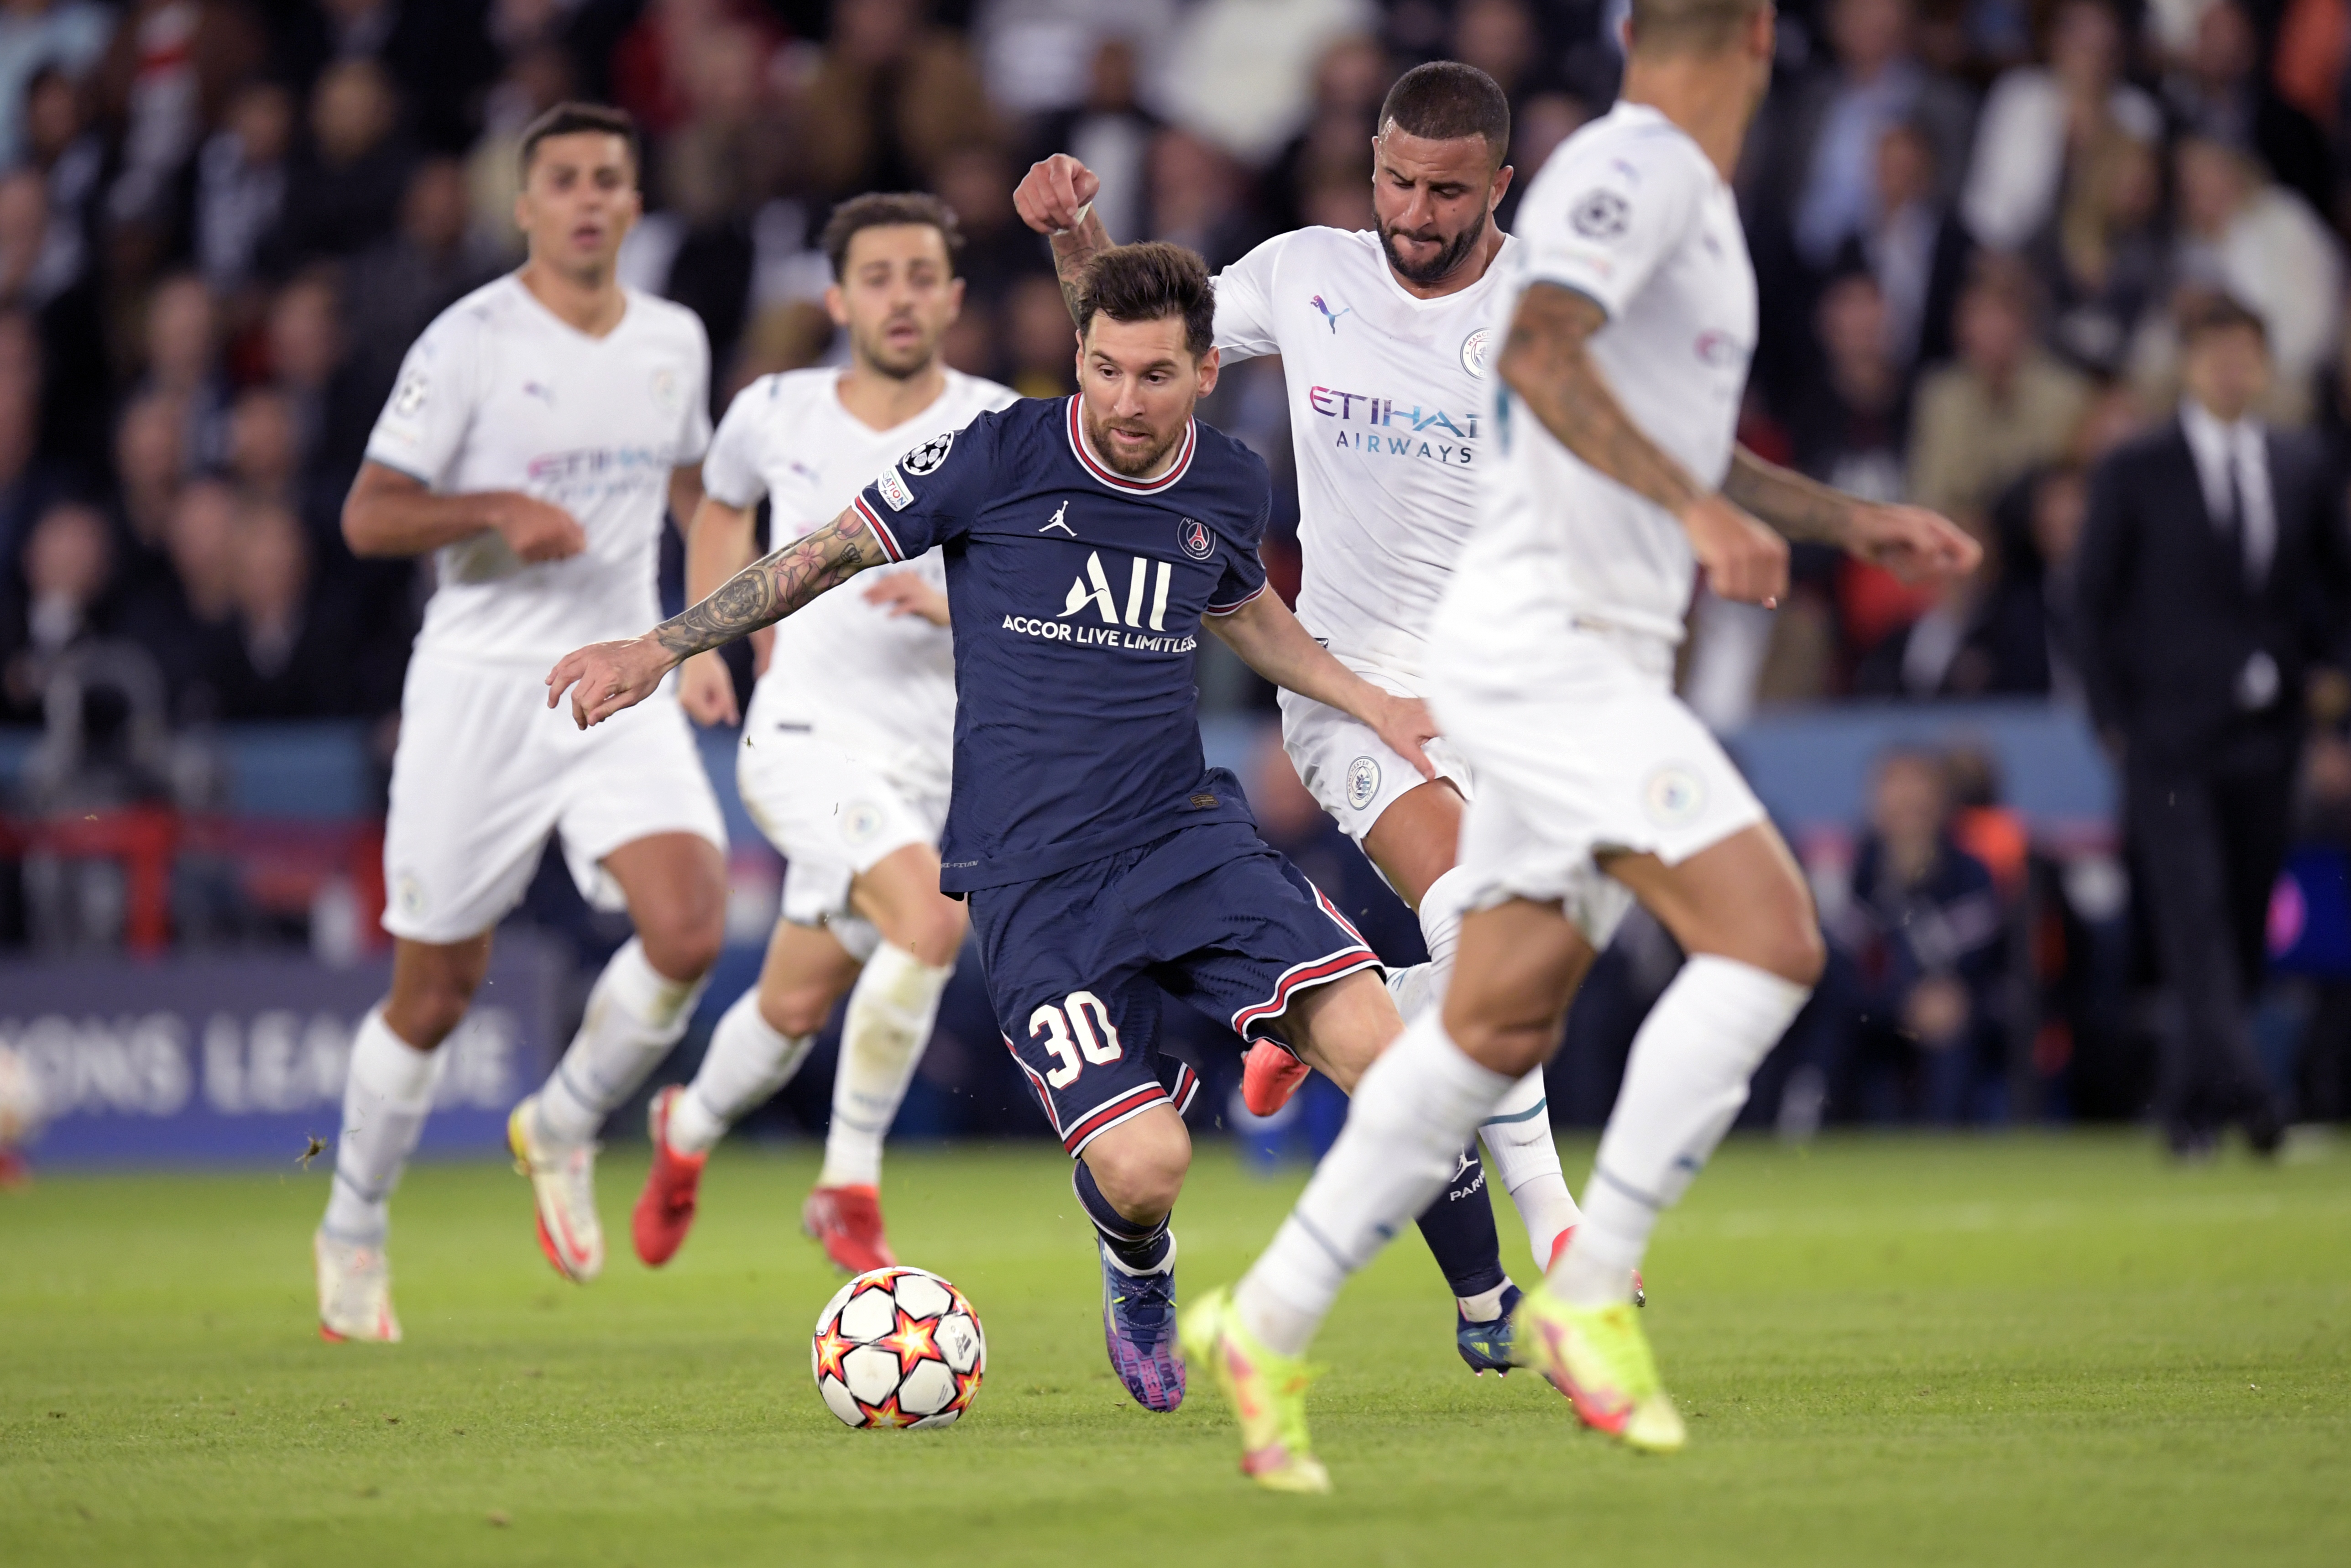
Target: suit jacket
point(2165, 620)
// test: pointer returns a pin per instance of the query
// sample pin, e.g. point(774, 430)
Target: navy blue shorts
point(1075, 962)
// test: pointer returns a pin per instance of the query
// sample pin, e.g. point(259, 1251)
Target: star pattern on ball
point(830, 1348)
point(885, 1414)
point(915, 1340)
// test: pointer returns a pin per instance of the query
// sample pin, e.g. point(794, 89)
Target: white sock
point(387, 1094)
point(748, 1060)
point(1411, 1114)
point(1684, 1084)
point(635, 1013)
point(1441, 909)
point(881, 1039)
point(1526, 1162)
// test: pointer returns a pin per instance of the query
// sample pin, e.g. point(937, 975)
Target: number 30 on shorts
point(1079, 1027)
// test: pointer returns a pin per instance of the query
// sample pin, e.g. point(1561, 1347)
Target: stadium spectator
point(1239, 73)
point(241, 185)
point(1922, 930)
point(66, 35)
point(344, 185)
point(2040, 120)
point(71, 157)
point(67, 567)
point(2102, 259)
point(287, 655)
point(2003, 407)
point(179, 613)
point(394, 288)
point(182, 363)
point(170, 69)
point(890, 97)
point(150, 456)
point(1195, 192)
point(2210, 575)
point(1850, 421)
point(2217, 92)
point(2261, 244)
point(1914, 244)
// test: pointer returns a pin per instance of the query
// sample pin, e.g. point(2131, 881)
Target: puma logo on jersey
point(1057, 523)
point(1332, 315)
point(1094, 589)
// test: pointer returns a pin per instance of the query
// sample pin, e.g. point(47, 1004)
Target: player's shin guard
point(1412, 1113)
point(1526, 1162)
point(889, 1022)
point(1684, 1084)
point(387, 1094)
point(635, 1013)
point(748, 1060)
point(1459, 1229)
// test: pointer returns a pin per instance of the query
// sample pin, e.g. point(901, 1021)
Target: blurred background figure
point(2210, 573)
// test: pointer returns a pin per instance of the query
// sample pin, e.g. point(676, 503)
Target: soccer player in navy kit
point(1088, 541)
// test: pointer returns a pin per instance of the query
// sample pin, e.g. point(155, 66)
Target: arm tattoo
point(1071, 252)
point(774, 586)
point(1546, 363)
point(1799, 508)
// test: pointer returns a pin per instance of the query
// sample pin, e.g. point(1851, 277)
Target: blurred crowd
point(1977, 224)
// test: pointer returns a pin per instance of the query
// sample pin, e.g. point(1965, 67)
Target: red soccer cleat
point(1559, 1245)
point(1269, 1076)
point(665, 1212)
point(847, 1221)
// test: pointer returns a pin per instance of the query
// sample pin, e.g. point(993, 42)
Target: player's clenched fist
point(605, 677)
point(1743, 560)
point(1054, 191)
point(534, 530)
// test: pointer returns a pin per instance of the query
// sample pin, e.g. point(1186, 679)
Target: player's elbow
point(363, 529)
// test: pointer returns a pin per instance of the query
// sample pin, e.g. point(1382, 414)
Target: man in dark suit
point(2211, 575)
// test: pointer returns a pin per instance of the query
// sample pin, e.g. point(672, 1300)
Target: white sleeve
point(730, 469)
point(1245, 304)
point(1599, 224)
point(423, 425)
point(694, 435)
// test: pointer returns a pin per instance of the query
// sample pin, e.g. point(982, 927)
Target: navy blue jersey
point(1077, 596)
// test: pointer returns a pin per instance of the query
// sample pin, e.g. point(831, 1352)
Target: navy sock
point(1142, 1247)
point(1459, 1229)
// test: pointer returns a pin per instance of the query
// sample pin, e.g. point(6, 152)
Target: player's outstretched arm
point(388, 513)
point(605, 677)
point(1913, 543)
point(1546, 360)
point(1056, 199)
point(1270, 640)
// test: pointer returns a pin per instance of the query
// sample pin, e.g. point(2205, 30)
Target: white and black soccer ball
point(898, 1347)
point(21, 1110)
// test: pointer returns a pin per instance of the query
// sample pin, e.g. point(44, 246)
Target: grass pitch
point(1999, 1351)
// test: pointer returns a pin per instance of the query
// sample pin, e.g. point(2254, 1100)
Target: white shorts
point(833, 816)
point(485, 770)
point(1588, 753)
point(1351, 772)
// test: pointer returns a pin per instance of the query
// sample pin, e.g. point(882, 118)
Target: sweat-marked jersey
point(1077, 596)
point(879, 686)
point(1388, 399)
point(500, 394)
point(1628, 212)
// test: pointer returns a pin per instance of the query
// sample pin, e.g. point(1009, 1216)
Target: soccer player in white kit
point(1631, 308)
point(1384, 342)
point(846, 751)
point(538, 428)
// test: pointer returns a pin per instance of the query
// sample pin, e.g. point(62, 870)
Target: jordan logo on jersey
point(1058, 512)
point(1332, 315)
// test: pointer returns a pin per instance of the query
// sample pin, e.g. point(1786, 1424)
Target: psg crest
point(1196, 539)
point(925, 458)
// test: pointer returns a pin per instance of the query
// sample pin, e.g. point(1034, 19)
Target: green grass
point(1999, 1351)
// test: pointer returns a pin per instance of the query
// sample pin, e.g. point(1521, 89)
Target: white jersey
point(880, 687)
point(500, 394)
point(1388, 403)
point(1629, 212)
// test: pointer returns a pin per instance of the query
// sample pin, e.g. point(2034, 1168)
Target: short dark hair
point(1445, 100)
point(571, 119)
point(1688, 26)
point(1150, 282)
point(2219, 313)
point(883, 209)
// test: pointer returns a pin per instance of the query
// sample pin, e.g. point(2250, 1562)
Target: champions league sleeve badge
point(926, 458)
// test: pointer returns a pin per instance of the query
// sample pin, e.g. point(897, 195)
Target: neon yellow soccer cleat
point(1267, 1394)
point(1600, 1359)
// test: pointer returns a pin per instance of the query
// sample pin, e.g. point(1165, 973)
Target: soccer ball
point(21, 1112)
point(898, 1347)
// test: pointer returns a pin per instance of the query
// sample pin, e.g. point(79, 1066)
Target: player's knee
point(935, 934)
point(426, 1011)
point(1142, 1174)
point(796, 1010)
point(1798, 955)
point(684, 944)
